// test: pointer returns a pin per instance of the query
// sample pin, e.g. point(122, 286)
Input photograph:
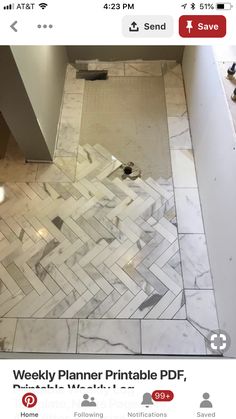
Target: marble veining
point(188, 211)
point(177, 337)
point(109, 336)
point(195, 263)
point(201, 310)
point(55, 336)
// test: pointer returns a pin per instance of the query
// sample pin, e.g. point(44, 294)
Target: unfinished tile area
point(127, 116)
point(91, 263)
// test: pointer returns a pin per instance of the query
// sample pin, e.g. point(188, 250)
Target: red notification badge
point(162, 395)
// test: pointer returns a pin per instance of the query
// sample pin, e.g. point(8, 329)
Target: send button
point(153, 27)
point(148, 26)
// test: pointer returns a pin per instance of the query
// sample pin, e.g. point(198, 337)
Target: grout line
point(77, 337)
point(13, 342)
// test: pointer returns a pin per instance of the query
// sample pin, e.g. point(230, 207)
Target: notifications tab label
point(206, 26)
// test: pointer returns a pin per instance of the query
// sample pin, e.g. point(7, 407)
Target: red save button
point(206, 26)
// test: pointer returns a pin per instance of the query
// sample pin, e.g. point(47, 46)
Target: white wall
point(42, 69)
point(214, 144)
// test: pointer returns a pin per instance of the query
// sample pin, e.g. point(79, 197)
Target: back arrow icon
point(13, 26)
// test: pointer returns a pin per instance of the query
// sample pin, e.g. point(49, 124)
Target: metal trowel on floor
point(82, 72)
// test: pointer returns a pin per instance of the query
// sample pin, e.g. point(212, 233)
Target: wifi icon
point(43, 5)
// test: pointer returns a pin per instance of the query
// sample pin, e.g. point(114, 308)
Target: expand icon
point(218, 341)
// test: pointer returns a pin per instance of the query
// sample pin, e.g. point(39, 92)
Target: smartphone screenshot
point(117, 209)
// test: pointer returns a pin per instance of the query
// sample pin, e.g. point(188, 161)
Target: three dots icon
point(44, 26)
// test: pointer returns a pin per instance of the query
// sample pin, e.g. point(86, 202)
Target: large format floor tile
point(173, 337)
point(52, 336)
point(201, 310)
point(188, 211)
point(183, 169)
point(143, 69)
point(179, 133)
point(195, 263)
point(109, 337)
point(7, 334)
point(114, 68)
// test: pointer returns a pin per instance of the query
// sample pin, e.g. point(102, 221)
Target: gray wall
point(42, 69)
point(4, 136)
point(109, 53)
point(17, 110)
point(214, 143)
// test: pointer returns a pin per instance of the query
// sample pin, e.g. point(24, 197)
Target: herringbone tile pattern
point(99, 247)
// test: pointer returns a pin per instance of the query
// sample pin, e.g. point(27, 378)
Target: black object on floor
point(92, 75)
point(232, 70)
point(128, 170)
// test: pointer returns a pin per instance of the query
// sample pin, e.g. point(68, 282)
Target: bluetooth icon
point(193, 6)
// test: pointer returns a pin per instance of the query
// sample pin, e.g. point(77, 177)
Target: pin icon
point(189, 25)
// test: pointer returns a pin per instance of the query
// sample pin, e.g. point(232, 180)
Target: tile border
point(173, 77)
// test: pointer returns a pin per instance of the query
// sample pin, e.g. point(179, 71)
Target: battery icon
point(224, 6)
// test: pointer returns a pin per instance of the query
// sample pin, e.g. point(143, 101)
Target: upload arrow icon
point(134, 27)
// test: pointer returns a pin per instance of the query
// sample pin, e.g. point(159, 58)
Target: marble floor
point(94, 264)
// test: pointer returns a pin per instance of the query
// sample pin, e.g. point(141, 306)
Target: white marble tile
point(143, 69)
point(114, 68)
point(77, 305)
point(201, 310)
point(188, 211)
point(179, 133)
point(174, 308)
point(73, 85)
point(63, 169)
point(173, 76)
point(168, 254)
point(175, 101)
point(46, 335)
point(134, 304)
point(172, 283)
point(183, 167)
point(195, 263)
point(120, 305)
point(72, 107)
point(181, 314)
point(68, 139)
point(164, 232)
point(113, 280)
point(167, 193)
point(171, 337)
point(118, 253)
point(107, 303)
point(8, 302)
point(69, 128)
point(161, 306)
point(17, 171)
point(127, 281)
point(109, 337)
point(7, 333)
